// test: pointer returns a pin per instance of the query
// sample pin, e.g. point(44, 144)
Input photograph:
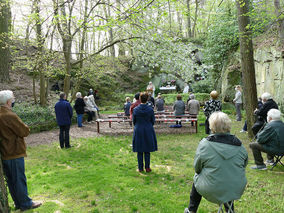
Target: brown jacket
point(12, 133)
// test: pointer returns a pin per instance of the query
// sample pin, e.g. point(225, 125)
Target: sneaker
point(187, 211)
point(259, 167)
point(243, 131)
point(269, 162)
point(148, 170)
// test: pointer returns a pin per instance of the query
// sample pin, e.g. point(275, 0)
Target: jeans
point(195, 199)
point(256, 151)
point(140, 160)
point(64, 138)
point(245, 128)
point(14, 170)
point(79, 119)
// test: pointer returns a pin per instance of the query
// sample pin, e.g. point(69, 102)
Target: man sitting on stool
point(270, 140)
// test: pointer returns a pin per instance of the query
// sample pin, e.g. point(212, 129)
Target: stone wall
point(269, 69)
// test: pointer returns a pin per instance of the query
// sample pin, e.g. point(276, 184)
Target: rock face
point(269, 71)
point(269, 68)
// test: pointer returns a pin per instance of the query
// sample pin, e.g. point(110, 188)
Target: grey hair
point(220, 122)
point(192, 96)
point(62, 95)
point(5, 95)
point(274, 114)
point(78, 95)
point(266, 96)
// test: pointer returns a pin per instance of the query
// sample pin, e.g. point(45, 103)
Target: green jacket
point(272, 137)
point(219, 164)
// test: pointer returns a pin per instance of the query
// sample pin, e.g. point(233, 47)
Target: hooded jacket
point(272, 137)
point(219, 164)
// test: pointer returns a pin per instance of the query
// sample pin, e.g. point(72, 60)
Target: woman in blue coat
point(144, 137)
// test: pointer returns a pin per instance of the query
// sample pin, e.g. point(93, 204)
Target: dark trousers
point(91, 114)
point(245, 128)
point(256, 151)
point(16, 179)
point(140, 160)
point(195, 199)
point(238, 111)
point(64, 138)
point(207, 127)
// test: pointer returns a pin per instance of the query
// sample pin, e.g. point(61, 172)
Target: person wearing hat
point(213, 105)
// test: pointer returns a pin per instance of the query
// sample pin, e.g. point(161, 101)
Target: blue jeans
point(140, 160)
point(16, 179)
point(79, 119)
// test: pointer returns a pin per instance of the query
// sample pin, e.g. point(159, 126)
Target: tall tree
point(247, 61)
point(280, 20)
point(188, 19)
point(5, 20)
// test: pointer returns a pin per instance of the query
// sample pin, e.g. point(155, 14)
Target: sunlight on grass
point(99, 175)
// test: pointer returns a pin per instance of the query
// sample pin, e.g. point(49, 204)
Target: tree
point(247, 62)
point(280, 20)
point(5, 20)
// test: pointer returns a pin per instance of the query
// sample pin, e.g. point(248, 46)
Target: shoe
point(269, 162)
point(81, 126)
point(243, 131)
point(259, 167)
point(139, 170)
point(148, 170)
point(33, 206)
point(187, 211)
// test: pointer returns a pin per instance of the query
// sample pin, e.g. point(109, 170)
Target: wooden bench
point(162, 120)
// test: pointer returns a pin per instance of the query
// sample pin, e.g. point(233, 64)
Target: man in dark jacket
point(13, 151)
point(63, 111)
point(261, 113)
point(270, 140)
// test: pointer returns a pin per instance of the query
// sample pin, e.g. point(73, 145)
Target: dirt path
point(90, 130)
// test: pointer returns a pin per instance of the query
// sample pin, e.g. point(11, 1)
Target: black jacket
point(268, 105)
point(79, 106)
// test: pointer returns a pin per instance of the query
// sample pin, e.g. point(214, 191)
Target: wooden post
point(4, 206)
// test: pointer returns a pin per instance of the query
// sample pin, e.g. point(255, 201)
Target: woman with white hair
point(90, 109)
point(238, 102)
point(79, 107)
point(268, 103)
point(219, 164)
point(13, 151)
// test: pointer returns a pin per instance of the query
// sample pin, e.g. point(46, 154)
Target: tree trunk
point(195, 18)
point(67, 43)
point(40, 55)
point(5, 20)
point(247, 62)
point(4, 205)
point(34, 89)
point(280, 21)
point(188, 19)
point(170, 16)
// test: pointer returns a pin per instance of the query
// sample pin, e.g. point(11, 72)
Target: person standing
point(64, 113)
point(179, 108)
point(79, 107)
point(213, 105)
point(144, 137)
point(238, 102)
point(151, 88)
point(126, 106)
point(13, 151)
point(134, 104)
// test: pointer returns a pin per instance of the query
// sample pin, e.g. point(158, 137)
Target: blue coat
point(144, 136)
point(64, 112)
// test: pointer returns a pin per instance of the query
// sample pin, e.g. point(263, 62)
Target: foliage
point(159, 53)
point(203, 86)
point(221, 41)
point(99, 175)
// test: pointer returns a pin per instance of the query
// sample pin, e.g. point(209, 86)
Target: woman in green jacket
point(219, 164)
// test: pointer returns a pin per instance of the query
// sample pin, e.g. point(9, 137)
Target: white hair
point(219, 122)
point(5, 95)
point(192, 96)
point(78, 95)
point(266, 96)
point(274, 114)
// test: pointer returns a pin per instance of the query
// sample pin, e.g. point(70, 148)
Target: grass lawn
point(99, 175)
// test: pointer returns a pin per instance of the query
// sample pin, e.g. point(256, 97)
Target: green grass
point(99, 175)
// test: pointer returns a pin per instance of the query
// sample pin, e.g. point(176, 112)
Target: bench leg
point(109, 124)
point(98, 127)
